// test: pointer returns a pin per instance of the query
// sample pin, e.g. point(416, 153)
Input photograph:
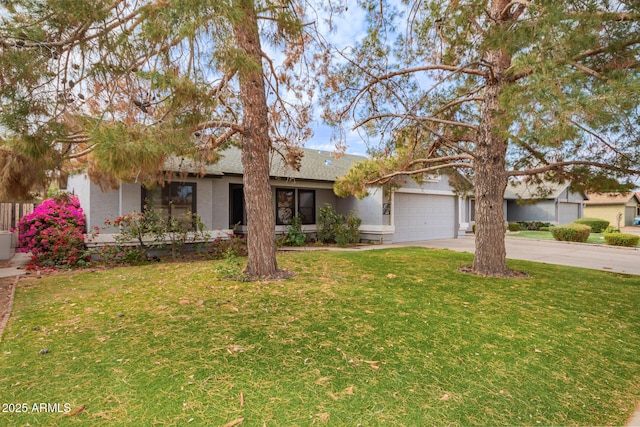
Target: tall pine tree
point(500, 90)
point(115, 87)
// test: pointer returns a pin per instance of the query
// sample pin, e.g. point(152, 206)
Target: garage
point(568, 212)
point(423, 217)
point(629, 215)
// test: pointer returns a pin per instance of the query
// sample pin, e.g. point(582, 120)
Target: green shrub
point(348, 233)
point(334, 227)
point(597, 225)
point(533, 225)
point(150, 229)
point(327, 220)
point(621, 239)
point(571, 233)
point(545, 228)
point(295, 236)
point(121, 255)
point(514, 226)
point(611, 230)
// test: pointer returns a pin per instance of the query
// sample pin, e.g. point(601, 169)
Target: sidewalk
point(16, 265)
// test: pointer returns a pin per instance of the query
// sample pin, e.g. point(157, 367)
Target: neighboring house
point(609, 205)
point(548, 202)
point(214, 191)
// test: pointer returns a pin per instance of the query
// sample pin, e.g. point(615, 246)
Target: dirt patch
point(6, 292)
point(513, 274)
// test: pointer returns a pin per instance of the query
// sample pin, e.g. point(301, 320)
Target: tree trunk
point(490, 170)
point(490, 183)
point(256, 145)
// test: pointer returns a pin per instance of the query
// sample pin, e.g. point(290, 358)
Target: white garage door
point(423, 217)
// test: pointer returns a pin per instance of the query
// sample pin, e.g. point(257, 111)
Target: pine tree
point(499, 90)
point(115, 87)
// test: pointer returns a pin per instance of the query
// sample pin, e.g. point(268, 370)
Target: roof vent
point(327, 162)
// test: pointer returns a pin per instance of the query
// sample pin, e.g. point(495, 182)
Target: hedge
point(621, 239)
point(597, 225)
point(533, 225)
point(514, 226)
point(571, 233)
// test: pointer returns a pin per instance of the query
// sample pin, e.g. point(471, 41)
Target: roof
point(528, 191)
point(611, 198)
point(316, 165)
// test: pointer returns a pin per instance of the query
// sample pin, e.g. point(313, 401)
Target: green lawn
point(385, 337)
point(546, 235)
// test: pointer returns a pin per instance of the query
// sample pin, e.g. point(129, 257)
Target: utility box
point(6, 246)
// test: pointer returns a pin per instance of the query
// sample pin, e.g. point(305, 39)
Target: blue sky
point(350, 27)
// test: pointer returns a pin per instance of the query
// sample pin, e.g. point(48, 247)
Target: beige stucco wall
point(607, 212)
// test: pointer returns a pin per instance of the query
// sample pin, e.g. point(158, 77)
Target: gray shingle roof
point(525, 191)
point(316, 165)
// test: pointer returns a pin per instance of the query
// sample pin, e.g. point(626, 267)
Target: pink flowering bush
point(53, 233)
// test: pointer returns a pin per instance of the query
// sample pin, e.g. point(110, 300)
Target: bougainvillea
point(53, 233)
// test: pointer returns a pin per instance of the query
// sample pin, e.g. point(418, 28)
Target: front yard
point(384, 337)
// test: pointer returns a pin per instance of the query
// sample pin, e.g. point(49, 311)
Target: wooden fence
point(10, 213)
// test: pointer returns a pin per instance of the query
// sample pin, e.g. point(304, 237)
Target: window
point(237, 212)
point(173, 200)
point(286, 205)
point(307, 206)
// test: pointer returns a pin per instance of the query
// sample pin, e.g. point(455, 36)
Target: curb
point(634, 421)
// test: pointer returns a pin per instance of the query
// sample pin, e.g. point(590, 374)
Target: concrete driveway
point(597, 257)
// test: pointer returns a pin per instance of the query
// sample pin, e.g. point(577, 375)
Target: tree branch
point(437, 67)
point(226, 77)
point(608, 16)
point(558, 165)
point(588, 71)
point(440, 159)
point(598, 137)
point(458, 102)
point(81, 153)
point(213, 124)
point(416, 118)
point(225, 136)
point(386, 178)
point(522, 4)
point(602, 49)
point(76, 36)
